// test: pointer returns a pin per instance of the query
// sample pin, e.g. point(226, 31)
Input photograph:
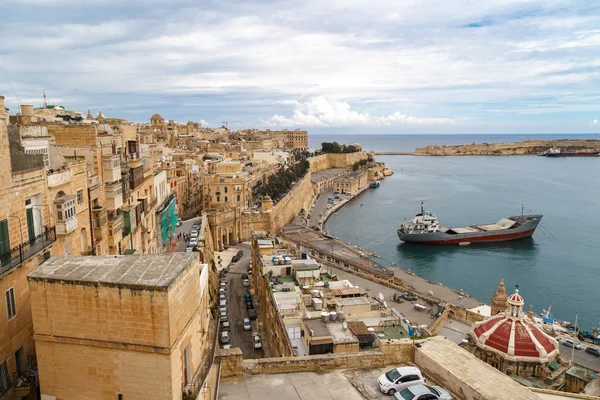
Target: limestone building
point(136, 326)
point(27, 236)
point(351, 183)
point(512, 343)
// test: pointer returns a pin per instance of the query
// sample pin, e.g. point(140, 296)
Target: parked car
point(178, 223)
point(398, 379)
point(252, 314)
point(423, 392)
point(224, 337)
point(193, 241)
point(593, 351)
point(223, 316)
point(244, 276)
point(246, 283)
point(249, 271)
point(572, 343)
point(194, 233)
point(247, 325)
point(247, 297)
point(226, 346)
point(257, 343)
point(240, 253)
point(222, 298)
point(249, 305)
point(189, 249)
point(225, 326)
point(223, 305)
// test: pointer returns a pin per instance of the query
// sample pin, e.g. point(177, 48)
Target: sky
point(339, 66)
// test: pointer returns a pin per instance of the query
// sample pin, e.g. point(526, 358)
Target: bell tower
point(499, 300)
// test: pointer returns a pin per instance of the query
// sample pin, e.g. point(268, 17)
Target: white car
point(423, 392)
point(193, 241)
point(246, 283)
point(247, 325)
point(224, 337)
point(400, 378)
point(257, 343)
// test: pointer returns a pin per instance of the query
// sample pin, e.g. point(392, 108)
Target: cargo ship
point(556, 152)
point(426, 229)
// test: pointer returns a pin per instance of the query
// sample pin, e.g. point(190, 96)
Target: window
point(225, 189)
point(218, 199)
point(238, 197)
point(10, 303)
point(225, 199)
point(5, 382)
point(80, 196)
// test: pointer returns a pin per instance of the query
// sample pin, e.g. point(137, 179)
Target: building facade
point(131, 327)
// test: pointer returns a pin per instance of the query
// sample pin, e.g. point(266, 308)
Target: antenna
point(522, 211)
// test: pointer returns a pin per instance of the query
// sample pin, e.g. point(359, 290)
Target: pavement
point(455, 331)
point(293, 386)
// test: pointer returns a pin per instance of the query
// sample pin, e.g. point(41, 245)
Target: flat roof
point(144, 271)
point(353, 301)
point(265, 243)
point(318, 327)
point(340, 335)
point(304, 267)
point(463, 368)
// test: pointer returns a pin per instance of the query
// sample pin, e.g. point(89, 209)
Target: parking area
point(237, 308)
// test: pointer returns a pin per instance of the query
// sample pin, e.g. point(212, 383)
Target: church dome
point(156, 117)
point(513, 336)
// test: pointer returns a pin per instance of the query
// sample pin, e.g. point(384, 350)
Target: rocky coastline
point(527, 147)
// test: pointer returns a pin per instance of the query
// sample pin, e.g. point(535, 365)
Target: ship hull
point(590, 154)
point(524, 230)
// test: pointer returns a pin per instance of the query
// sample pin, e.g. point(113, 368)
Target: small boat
point(426, 229)
point(374, 185)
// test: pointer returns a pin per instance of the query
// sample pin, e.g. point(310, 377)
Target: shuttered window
point(5, 382)
point(11, 307)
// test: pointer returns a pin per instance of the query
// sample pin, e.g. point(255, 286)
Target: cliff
point(527, 147)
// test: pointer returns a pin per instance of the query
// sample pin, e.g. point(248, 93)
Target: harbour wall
point(331, 160)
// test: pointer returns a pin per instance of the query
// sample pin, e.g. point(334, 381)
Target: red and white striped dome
point(513, 336)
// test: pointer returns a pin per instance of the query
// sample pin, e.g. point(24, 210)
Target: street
point(236, 307)
point(581, 357)
point(185, 227)
point(319, 208)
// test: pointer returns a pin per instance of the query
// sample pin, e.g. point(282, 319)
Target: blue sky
point(405, 66)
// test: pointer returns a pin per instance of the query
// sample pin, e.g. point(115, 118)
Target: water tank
point(287, 260)
point(340, 315)
point(304, 256)
point(333, 315)
point(317, 304)
point(324, 316)
point(274, 260)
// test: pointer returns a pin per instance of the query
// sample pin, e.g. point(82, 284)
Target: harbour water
point(558, 267)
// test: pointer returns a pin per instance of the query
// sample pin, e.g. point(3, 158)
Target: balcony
point(111, 167)
point(58, 178)
point(22, 252)
point(114, 195)
point(66, 227)
point(115, 230)
point(99, 223)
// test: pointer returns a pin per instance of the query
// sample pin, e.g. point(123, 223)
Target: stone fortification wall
point(298, 198)
point(330, 160)
point(233, 366)
point(516, 148)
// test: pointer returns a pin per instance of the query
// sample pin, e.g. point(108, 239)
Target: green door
point(4, 243)
point(30, 226)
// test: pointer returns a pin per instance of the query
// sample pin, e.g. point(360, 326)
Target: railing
point(27, 249)
point(193, 388)
point(58, 178)
point(25, 379)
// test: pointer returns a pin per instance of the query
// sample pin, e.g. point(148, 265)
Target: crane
point(229, 122)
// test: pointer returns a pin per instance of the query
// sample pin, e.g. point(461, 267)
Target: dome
point(156, 117)
point(514, 337)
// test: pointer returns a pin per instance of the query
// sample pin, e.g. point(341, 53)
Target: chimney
point(27, 110)
point(3, 113)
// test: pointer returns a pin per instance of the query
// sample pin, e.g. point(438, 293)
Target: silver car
point(423, 392)
point(247, 325)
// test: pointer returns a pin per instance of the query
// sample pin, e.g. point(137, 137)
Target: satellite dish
point(371, 330)
point(381, 296)
point(385, 304)
point(345, 325)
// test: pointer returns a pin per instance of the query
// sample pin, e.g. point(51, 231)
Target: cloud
point(523, 62)
point(324, 112)
point(593, 122)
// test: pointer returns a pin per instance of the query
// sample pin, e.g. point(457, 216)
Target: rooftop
point(143, 271)
point(341, 335)
point(352, 301)
point(318, 327)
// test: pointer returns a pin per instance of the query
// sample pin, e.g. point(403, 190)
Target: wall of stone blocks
point(326, 161)
point(69, 371)
point(297, 198)
point(138, 317)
